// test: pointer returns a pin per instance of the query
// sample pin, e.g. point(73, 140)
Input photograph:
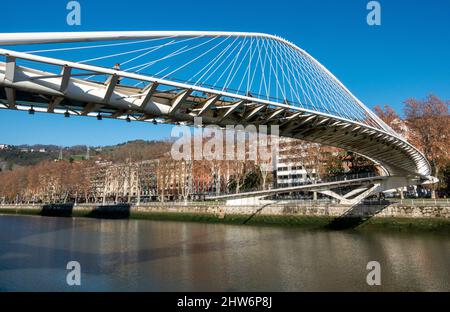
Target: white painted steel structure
point(175, 76)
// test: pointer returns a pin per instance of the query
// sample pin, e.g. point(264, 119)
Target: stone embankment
point(426, 209)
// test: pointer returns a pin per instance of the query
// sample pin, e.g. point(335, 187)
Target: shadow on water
point(57, 210)
point(119, 211)
point(357, 215)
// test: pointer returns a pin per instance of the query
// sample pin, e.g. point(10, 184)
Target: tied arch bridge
point(227, 78)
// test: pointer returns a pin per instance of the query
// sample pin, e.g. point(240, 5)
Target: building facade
point(295, 165)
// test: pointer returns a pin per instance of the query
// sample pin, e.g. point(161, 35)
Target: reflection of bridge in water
point(224, 77)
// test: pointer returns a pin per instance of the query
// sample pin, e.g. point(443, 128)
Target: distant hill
point(15, 156)
point(134, 150)
point(27, 155)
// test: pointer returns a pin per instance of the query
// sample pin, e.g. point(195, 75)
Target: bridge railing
point(413, 202)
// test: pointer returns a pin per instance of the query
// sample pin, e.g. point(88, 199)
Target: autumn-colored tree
point(429, 122)
point(444, 179)
point(358, 164)
point(387, 113)
point(335, 164)
point(390, 117)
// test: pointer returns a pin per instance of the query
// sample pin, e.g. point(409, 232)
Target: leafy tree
point(252, 180)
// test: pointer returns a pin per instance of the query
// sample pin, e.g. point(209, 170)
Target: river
point(140, 255)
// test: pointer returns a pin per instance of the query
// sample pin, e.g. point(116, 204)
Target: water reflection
point(174, 256)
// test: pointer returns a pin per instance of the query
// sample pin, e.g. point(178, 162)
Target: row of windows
point(292, 168)
point(289, 184)
point(296, 176)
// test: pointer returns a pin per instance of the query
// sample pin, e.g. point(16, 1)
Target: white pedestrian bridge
point(227, 78)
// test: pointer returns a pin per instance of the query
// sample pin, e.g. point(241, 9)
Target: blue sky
point(407, 56)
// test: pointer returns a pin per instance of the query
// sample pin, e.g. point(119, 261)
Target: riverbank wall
point(378, 210)
point(425, 215)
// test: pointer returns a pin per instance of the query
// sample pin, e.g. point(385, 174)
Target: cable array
point(258, 66)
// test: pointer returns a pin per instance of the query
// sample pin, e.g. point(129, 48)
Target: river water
point(135, 255)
